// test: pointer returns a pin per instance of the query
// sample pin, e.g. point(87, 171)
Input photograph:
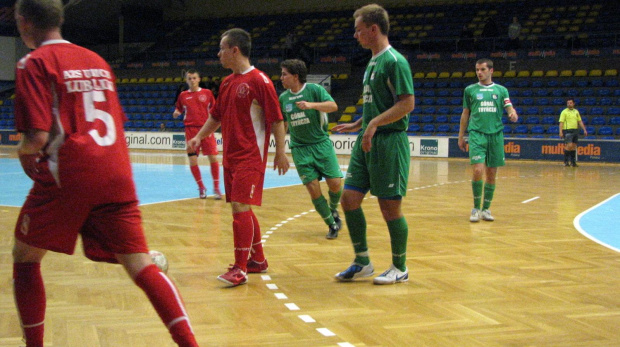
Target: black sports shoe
point(337, 219)
point(333, 232)
point(575, 164)
point(566, 163)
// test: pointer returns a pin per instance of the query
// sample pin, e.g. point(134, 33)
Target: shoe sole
point(331, 237)
point(257, 272)
point(396, 281)
point(341, 279)
point(231, 284)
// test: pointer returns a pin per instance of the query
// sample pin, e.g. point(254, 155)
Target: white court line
point(265, 277)
point(306, 318)
point(291, 306)
point(532, 199)
point(345, 344)
point(325, 332)
point(272, 286)
point(577, 224)
point(281, 296)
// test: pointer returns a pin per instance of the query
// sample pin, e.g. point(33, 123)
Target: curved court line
point(577, 220)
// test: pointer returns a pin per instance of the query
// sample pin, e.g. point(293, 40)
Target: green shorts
point(486, 148)
point(316, 161)
point(385, 169)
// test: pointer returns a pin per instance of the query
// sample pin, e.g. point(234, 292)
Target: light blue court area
point(155, 183)
point(601, 223)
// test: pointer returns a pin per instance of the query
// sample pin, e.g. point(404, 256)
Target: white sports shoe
point(355, 271)
point(486, 215)
point(475, 215)
point(391, 276)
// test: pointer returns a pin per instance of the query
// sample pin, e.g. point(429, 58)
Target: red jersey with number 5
point(70, 92)
point(247, 105)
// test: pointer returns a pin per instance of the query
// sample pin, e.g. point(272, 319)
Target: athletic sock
point(356, 223)
point(257, 245)
point(215, 173)
point(476, 187)
point(243, 233)
point(168, 303)
point(334, 199)
point(30, 300)
point(566, 156)
point(573, 156)
point(196, 173)
point(399, 232)
point(489, 189)
point(320, 205)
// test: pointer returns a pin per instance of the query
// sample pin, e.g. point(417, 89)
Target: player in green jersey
point(305, 107)
point(380, 158)
point(483, 106)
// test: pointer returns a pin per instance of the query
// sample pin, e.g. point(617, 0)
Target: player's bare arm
point(401, 108)
point(463, 126)
point(325, 106)
point(280, 162)
point(176, 113)
point(585, 131)
point(29, 150)
point(348, 127)
point(512, 114)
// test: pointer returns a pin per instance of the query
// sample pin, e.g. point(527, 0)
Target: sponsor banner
point(552, 150)
point(161, 140)
point(10, 138)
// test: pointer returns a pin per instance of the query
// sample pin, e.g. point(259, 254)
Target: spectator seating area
point(539, 100)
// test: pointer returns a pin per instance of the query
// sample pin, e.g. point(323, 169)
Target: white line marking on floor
point(265, 277)
point(528, 200)
point(281, 296)
point(345, 344)
point(291, 306)
point(272, 286)
point(306, 318)
point(325, 332)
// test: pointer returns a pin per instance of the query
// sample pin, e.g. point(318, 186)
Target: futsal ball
point(160, 260)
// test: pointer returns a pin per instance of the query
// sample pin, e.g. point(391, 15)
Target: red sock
point(215, 173)
point(242, 232)
point(196, 172)
point(30, 299)
point(257, 245)
point(168, 303)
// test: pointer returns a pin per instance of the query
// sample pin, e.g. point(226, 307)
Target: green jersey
point(486, 106)
point(387, 76)
point(307, 127)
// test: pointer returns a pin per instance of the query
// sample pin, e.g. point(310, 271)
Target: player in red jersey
point(196, 103)
point(73, 147)
point(248, 109)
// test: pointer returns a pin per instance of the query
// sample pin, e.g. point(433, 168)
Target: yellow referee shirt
point(570, 118)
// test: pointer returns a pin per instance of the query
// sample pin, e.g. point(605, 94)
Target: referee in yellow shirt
point(569, 131)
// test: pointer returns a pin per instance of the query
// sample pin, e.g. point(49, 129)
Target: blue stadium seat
point(442, 101)
point(428, 110)
point(605, 131)
point(180, 125)
point(548, 120)
point(587, 92)
point(521, 129)
point(427, 119)
point(514, 93)
point(572, 92)
point(614, 120)
point(605, 101)
point(428, 85)
point(596, 111)
point(428, 128)
point(456, 94)
point(617, 131)
point(537, 129)
point(414, 128)
point(532, 120)
point(523, 83)
point(443, 93)
point(552, 83)
point(443, 110)
point(456, 101)
point(457, 110)
point(589, 101)
point(138, 124)
point(596, 83)
point(589, 128)
point(527, 101)
point(598, 121)
point(443, 128)
point(441, 119)
point(554, 130)
point(548, 111)
point(507, 129)
point(604, 92)
point(457, 119)
point(429, 93)
point(456, 128)
point(149, 124)
point(170, 124)
point(557, 92)
point(558, 101)
point(527, 93)
point(613, 83)
point(536, 84)
point(455, 84)
point(542, 101)
point(581, 83)
point(427, 101)
point(533, 110)
point(441, 85)
point(542, 92)
point(414, 118)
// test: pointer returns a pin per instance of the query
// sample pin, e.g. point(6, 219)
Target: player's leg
point(29, 291)
point(257, 262)
point(356, 186)
point(477, 158)
point(568, 147)
point(335, 193)
point(192, 155)
point(573, 154)
point(322, 208)
point(162, 293)
point(209, 147)
point(495, 159)
point(399, 234)
point(330, 169)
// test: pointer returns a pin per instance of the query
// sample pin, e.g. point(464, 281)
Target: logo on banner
point(178, 141)
point(429, 147)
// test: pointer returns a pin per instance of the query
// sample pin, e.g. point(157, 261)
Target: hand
point(561, 134)
point(513, 117)
point(585, 132)
point(280, 162)
point(193, 143)
point(462, 144)
point(344, 128)
point(367, 137)
point(29, 163)
point(303, 105)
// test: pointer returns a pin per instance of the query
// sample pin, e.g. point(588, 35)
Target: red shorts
point(208, 146)
point(244, 185)
point(51, 219)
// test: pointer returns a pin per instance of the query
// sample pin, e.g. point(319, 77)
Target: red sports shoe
point(255, 267)
point(234, 277)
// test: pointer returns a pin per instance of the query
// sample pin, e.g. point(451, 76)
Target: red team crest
point(243, 90)
point(202, 98)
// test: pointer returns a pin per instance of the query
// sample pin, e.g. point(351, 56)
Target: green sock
point(356, 223)
point(476, 186)
point(489, 189)
point(399, 232)
point(334, 199)
point(320, 205)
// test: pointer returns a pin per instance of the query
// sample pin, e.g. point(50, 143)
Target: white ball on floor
point(160, 260)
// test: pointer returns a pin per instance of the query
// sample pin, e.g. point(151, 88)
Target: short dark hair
point(192, 71)
point(296, 67)
point(570, 99)
point(374, 14)
point(239, 38)
point(44, 14)
point(487, 61)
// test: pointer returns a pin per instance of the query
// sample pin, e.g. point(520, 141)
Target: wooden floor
point(527, 279)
